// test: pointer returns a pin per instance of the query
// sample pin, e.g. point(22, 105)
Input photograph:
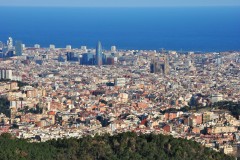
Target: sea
point(204, 29)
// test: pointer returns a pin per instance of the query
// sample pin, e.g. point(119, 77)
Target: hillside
point(122, 146)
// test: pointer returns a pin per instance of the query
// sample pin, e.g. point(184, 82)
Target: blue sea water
point(172, 28)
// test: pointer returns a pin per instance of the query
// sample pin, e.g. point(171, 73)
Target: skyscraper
point(84, 48)
point(87, 59)
point(68, 47)
point(10, 43)
point(51, 46)
point(99, 54)
point(18, 48)
point(113, 49)
point(1, 45)
point(36, 45)
point(72, 56)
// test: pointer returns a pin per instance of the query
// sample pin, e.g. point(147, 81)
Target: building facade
point(99, 54)
point(18, 48)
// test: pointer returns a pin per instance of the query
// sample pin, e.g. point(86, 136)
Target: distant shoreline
point(205, 29)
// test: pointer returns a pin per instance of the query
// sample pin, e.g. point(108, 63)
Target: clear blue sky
point(119, 3)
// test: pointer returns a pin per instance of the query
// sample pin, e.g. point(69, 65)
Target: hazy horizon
point(123, 3)
point(198, 29)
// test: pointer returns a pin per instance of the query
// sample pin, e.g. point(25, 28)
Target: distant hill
point(122, 146)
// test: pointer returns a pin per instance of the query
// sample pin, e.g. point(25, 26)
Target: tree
point(122, 146)
point(4, 106)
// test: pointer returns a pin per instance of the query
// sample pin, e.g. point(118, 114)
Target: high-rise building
point(1, 45)
point(36, 46)
point(10, 53)
point(99, 54)
point(72, 56)
point(87, 59)
point(23, 46)
point(110, 61)
point(113, 49)
point(10, 43)
point(52, 46)
point(84, 48)
point(104, 59)
point(61, 58)
point(18, 48)
point(68, 47)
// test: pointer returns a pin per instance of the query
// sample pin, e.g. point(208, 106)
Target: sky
point(119, 3)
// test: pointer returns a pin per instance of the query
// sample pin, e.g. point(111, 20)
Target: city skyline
point(124, 3)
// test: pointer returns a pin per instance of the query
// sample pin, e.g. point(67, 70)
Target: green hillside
point(123, 146)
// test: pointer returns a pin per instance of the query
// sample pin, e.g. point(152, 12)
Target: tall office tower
point(87, 59)
point(52, 46)
point(68, 47)
point(83, 47)
point(18, 48)
point(99, 54)
point(72, 56)
point(113, 49)
point(23, 46)
point(10, 53)
point(10, 43)
point(36, 46)
point(1, 45)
